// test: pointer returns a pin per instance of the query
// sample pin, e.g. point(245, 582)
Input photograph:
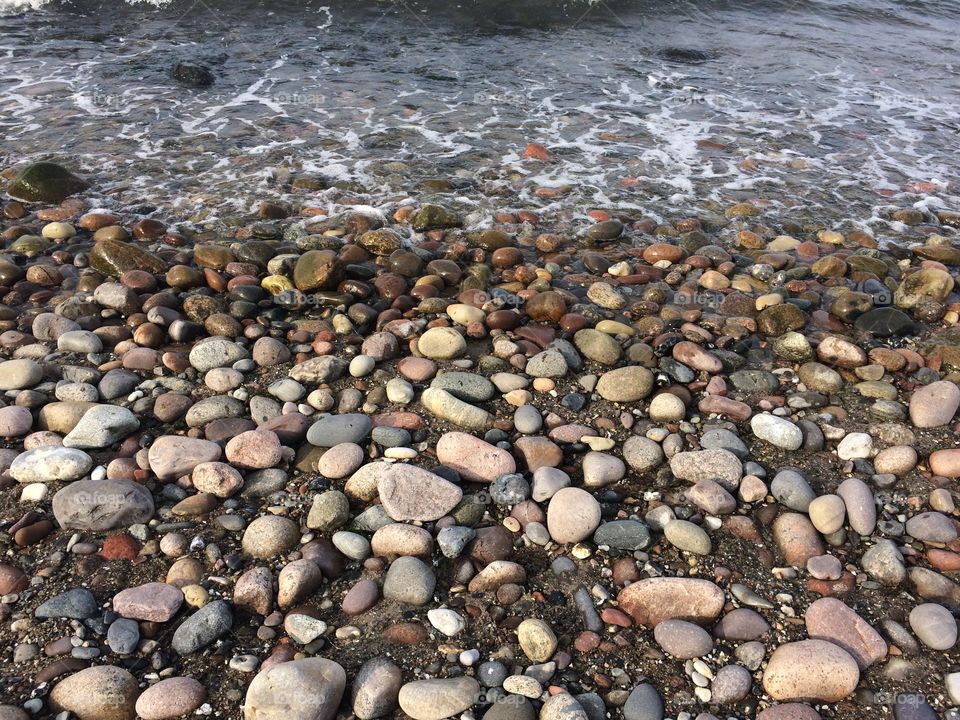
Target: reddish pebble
point(833, 588)
point(587, 641)
point(360, 598)
point(536, 151)
point(139, 280)
point(944, 560)
point(121, 546)
point(572, 322)
point(612, 616)
point(719, 405)
point(12, 579)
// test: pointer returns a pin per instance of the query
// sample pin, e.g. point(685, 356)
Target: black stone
point(886, 322)
point(191, 74)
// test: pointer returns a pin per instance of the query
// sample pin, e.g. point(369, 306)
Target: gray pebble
point(623, 535)
point(452, 540)
point(203, 627)
point(527, 420)
point(123, 636)
point(509, 489)
point(644, 703)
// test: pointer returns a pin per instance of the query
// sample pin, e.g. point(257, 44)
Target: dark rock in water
point(190, 74)
point(115, 257)
point(432, 217)
point(685, 55)
point(46, 182)
point(317, 269)
point(886, 322)
point(778, 319)
point(379, 242)
point(603, 231)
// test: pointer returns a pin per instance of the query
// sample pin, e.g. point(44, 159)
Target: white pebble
point(362, 365)
point(469, 657)
point(34, 492)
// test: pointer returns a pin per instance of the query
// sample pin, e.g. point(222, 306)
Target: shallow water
point(828, 112)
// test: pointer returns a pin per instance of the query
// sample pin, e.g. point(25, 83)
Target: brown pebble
point(405, 633)
point(32, 534)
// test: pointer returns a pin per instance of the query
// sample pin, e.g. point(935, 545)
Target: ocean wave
point(8, 7)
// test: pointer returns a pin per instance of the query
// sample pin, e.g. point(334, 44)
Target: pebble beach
point(378, 463)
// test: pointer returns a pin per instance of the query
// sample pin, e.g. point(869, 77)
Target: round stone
point(50, 463)
point(475, 459)
point(827, 513)
point(171, 698)
point(934, 625)
point(682, 639)
point(103, 692)
point(409, 581)
point(688, 536)
point(601, 469)
point(254, 449)
point(438, 698)
point(307, 688)
point(376, 689)
point(652, 600)
point(527, 420)
point(730, 685)
point(642, 454)
point(777, 431)
point(626, 384)
point(572, 515)
point(341, 461)
point(667, 407)
point(442, 343)
point(934, 405)
point(15, 421)
point(811, 670)
point(537, 640)
point(270, 535)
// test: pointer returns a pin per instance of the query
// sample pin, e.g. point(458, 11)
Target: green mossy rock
point(46, 182)
point(115, 257)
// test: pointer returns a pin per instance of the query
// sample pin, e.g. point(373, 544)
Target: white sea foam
point(624, 132)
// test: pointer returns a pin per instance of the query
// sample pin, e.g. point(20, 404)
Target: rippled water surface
point(826, 111)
